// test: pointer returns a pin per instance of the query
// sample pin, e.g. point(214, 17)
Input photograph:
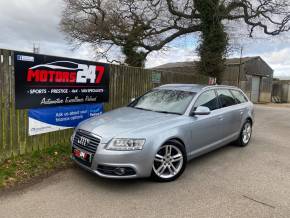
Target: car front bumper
point(110, 164)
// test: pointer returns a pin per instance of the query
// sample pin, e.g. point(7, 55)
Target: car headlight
point(126, 144)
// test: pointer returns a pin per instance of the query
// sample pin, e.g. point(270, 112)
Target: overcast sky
point(24, 22)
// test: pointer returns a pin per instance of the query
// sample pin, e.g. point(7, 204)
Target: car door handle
point(221, 118)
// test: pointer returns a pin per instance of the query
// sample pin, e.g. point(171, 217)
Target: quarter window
point(240, 98)
point(226, 98)
point(207, 99)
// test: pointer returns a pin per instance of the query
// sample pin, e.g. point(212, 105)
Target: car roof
point(192, 87)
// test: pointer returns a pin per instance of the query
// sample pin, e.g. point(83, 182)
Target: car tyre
point(245, 134)
point(169, 162)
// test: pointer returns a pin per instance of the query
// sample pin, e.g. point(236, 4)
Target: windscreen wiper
point(144, 109)
point(168, 112)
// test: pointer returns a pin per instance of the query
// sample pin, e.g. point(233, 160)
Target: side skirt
point(213, 146)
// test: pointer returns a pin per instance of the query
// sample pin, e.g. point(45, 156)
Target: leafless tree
point(272, 17)
point(138, 27)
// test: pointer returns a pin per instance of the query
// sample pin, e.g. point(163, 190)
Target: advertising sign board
point(42, 81)
point(43, 120)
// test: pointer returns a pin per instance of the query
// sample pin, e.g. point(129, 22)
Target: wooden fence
point(125, 83)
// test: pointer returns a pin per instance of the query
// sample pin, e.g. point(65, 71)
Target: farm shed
point(281, 91)
point(252, 74)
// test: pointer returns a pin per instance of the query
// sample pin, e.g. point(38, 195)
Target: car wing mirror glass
point(201, 110)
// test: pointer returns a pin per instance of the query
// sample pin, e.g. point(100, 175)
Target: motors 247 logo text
point(65, 72)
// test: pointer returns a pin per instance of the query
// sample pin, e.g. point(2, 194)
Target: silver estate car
point(157, 133)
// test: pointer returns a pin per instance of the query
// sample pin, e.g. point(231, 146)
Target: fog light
point(120, 171)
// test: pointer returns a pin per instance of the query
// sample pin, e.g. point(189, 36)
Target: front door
point(205, 129)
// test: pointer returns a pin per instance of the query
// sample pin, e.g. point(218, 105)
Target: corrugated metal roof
point(240, 60)
point(231, 61)
point(177, 64)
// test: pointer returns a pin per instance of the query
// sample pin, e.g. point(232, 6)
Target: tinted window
point(226, 98)
point(239, 96)
point(207, 99)
point(166, 101)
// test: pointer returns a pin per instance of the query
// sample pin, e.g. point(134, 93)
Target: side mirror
point(132, 99)
point(201, 110)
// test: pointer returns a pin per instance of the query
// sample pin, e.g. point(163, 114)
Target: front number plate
point(82, 155)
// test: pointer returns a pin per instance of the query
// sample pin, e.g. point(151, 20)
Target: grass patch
point(23, 168)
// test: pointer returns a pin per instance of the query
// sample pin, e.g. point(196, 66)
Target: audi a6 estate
point(158, 132)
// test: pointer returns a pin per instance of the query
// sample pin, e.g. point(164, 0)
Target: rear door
point(241, 104)
point(230, 113)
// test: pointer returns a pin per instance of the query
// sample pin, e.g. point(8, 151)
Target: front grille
point(91, 146)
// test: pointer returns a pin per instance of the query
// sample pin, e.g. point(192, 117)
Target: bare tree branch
point(139, 27)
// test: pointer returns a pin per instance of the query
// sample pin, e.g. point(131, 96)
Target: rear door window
point(226, 98)
point(239, 96)
point(207, 99)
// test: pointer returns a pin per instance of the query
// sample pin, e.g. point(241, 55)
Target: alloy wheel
point(168, 161)
point(246, 133)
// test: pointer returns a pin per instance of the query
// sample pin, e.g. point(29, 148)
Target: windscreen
point(164, 101)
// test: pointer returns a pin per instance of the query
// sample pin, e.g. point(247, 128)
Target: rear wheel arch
point(240, 141)
point(249, 119)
